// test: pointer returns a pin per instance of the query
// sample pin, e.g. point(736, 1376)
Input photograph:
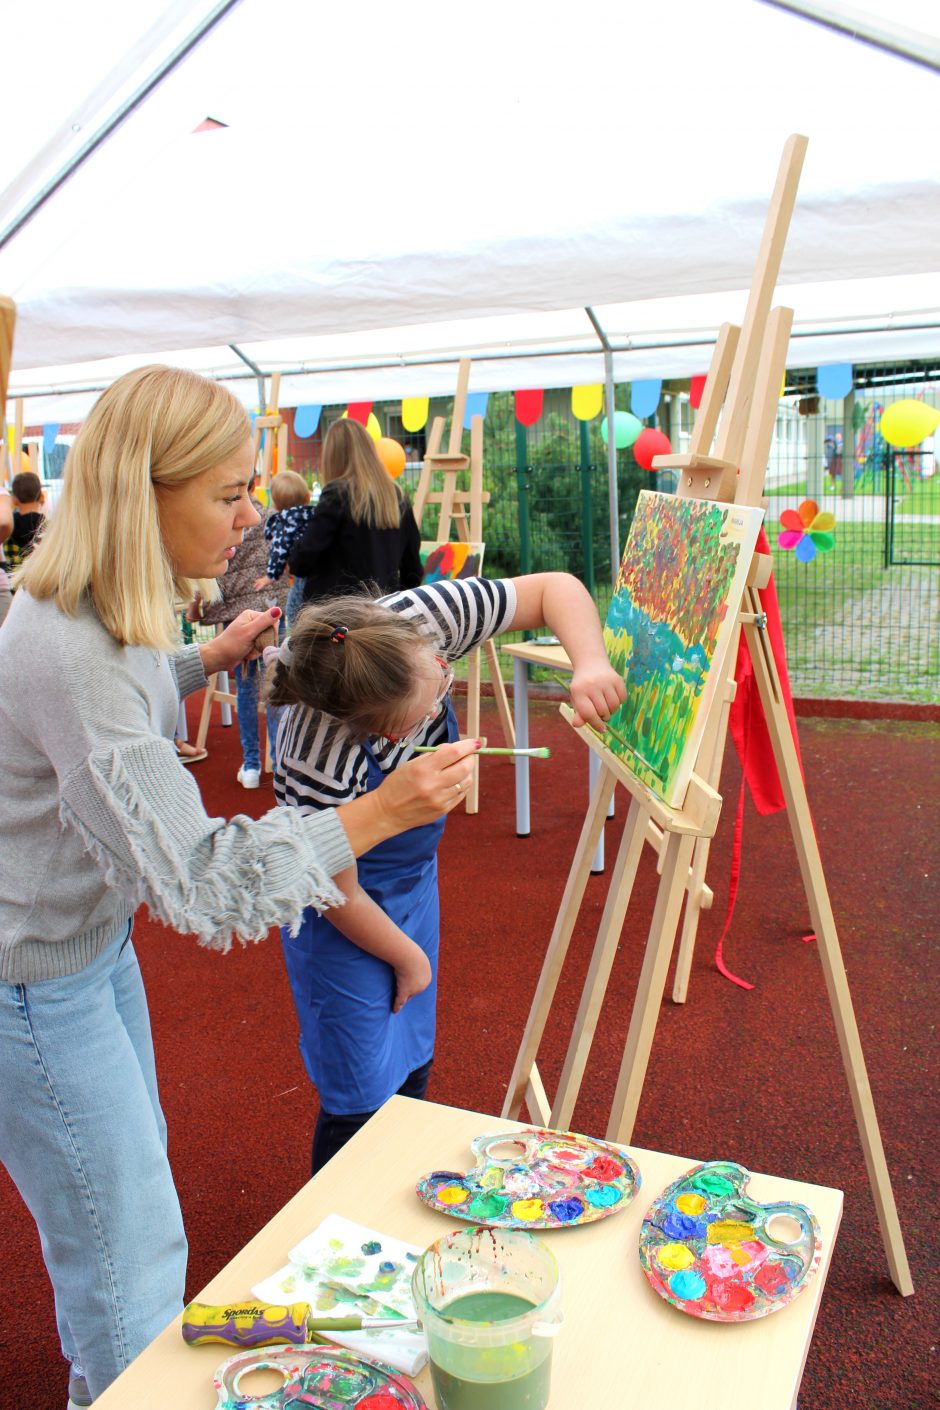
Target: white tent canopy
point(401, 185)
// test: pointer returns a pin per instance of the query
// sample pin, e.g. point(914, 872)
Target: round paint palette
point(535, 1179)
point(714, 1252)
point(318, 1377)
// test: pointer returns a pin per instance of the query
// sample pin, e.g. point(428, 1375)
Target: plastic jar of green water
point(490, 1303)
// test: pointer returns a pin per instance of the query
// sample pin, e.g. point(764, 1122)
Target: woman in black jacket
point(363, 530)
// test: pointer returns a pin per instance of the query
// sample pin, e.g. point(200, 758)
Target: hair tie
point(269, 655)
point(339, 633)
point(283, 652)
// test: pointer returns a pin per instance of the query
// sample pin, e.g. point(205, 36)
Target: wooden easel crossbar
point(743, 386)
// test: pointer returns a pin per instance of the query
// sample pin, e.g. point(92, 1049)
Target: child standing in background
point(292, 512)
point(28, 517)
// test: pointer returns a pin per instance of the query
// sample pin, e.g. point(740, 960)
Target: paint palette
point(714, 1252)
point(318, 1377)
point(535, 1179)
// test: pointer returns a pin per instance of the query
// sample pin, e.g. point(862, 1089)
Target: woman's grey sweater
point(97, 814)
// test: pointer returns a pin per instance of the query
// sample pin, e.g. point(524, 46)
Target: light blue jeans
point(84, 1140)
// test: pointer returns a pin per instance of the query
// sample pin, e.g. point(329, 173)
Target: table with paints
point(620, 1343)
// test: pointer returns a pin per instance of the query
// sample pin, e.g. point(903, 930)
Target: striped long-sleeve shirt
point(320, 764)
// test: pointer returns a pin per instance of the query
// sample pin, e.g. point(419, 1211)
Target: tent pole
point(613, 504)
point(262, 394)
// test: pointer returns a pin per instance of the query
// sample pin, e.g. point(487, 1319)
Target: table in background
point(555, 658)
point(621, 1344)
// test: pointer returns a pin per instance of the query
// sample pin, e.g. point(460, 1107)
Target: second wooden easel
point(461, 519)
point(743, 384)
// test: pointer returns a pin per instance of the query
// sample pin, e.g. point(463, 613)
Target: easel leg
point(830, 953)
point(650, 988)
point(558, 945)
point(595, 983)
point(499, 694)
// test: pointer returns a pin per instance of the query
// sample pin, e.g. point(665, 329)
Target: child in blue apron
point(368, 680)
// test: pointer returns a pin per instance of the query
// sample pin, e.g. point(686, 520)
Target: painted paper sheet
point(346, 1269)
point(670, 620)
point(451, 560)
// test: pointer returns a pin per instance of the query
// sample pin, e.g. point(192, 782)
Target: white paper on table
point(333, 1255)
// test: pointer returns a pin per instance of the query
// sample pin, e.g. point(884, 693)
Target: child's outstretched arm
point(364, 922)
point(564, 604)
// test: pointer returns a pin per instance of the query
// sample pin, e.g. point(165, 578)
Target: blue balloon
point(644, 396)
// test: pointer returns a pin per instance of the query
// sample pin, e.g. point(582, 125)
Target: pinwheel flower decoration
point(807, 531)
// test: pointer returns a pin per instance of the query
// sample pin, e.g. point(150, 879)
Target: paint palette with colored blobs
point(714, 1252)
point(535, 1179)
point(314, 1378)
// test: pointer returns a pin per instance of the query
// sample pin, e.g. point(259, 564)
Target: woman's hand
point(239, 642)
point(412, 795)
point(411, 977)
point(597, 691)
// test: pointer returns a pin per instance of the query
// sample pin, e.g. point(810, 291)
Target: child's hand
point(194, 610)
point(412, 977)
point(262, 583)
point(597, 691)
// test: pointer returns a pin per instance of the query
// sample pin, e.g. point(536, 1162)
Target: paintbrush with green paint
point(252, 1324)
point(541, 753)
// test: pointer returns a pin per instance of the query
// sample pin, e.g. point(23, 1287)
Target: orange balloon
point(392, 455)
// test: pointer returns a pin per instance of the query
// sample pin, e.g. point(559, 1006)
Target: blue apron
point(356, 1051)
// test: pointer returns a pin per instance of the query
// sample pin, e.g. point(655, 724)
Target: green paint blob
point(486, 1207)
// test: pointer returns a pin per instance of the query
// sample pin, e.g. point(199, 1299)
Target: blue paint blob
point(371, 1247)
point(386, 1267)
point(603, 1196)
point(682, 1226)
point(687, 1284)
point(565, 1210)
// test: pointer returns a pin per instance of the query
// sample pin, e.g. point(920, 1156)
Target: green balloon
point(626, 429)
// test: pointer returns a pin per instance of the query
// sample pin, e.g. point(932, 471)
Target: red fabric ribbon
point(752, 740)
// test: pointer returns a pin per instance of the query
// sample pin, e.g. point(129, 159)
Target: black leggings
point(332, 1132)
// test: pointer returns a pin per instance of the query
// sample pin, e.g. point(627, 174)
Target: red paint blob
point(381, 1400)
point(603, 1168)
point(772, 1279)
point(731, 1297)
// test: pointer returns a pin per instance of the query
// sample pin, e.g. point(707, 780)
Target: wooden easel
point(461, 517)
point(217, 688)
point(7, 325)
point(744, 379)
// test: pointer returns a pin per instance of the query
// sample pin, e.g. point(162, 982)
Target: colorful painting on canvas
point(451, 560)
point(670, 620)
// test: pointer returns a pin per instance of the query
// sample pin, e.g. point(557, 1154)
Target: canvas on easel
point(668, 628)
point(743, 387)
point(446, 562)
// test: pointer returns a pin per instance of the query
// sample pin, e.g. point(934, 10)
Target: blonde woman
point(362, 529)
point(98, 815)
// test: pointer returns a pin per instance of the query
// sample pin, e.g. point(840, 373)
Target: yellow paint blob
point(528, 1209)
point(729, 1231)
point(452, 1194)
point(690, 1204)
point(675, 1256)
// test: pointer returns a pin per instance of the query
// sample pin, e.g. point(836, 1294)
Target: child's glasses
point(416, 731)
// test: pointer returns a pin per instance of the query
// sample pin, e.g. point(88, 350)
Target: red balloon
point(649, 443)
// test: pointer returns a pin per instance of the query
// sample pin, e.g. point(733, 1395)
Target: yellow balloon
point(907, 423)
point(373, 427)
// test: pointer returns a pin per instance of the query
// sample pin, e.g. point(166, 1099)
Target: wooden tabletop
point(621, 1344)
point(539, 654)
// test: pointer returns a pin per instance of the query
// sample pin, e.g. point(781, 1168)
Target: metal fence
point(861, 621)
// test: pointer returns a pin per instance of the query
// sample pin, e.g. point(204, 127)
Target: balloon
point(649, 443)
point(626, 429)
point(371, 424)
point(907, 423)
point(586, 402)
point(414, 413)
point(392, 455)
